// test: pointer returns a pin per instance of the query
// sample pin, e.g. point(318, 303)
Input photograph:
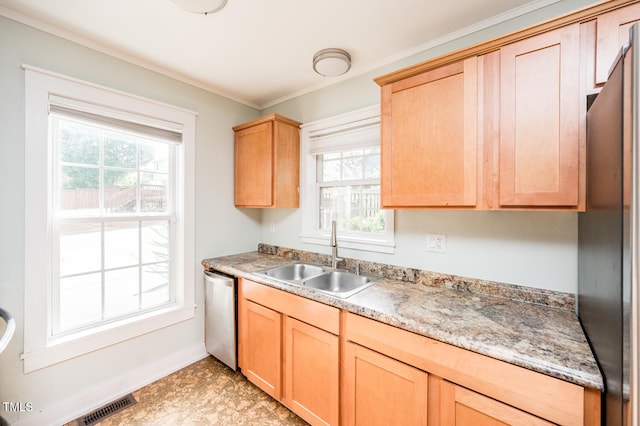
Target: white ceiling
point(259, 52)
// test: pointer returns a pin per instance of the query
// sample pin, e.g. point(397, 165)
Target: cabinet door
point(429, 138)
point(286, 169)
point(261, 351)
point(460, 406)
point(612, 31)
point(540, 120)
point(378, 390)
point(254, 166)
point(311, 370)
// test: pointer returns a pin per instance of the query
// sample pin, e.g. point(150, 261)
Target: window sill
point(364, 244)
point(77, 344)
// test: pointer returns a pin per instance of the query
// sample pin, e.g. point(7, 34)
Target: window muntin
point(112, 224)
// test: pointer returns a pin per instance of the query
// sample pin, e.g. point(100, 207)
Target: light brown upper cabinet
point(496, 126)
point(612, 31)
point(429, 138)
point(540, 139)
point(267, 162)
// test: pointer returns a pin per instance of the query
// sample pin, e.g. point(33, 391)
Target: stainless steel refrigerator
point(607, 302)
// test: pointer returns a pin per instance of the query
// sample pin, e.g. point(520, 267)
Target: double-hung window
point(112, 235)
point(341, 181)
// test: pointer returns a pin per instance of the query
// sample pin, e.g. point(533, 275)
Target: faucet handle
point(357, 269)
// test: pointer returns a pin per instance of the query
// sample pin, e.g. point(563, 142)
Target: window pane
point(372, 166)
point(120, 244)
point(153, 192)
point(355, 207)
point(352, 168)
point(80, 248)
point(120, 192)
point(155, 285)
point(80, 301)
point(120, 150)
point(79, 190)
point(79, 143)
point(331, 170)
point(121, 291)
point(155, 241)
point(154, 156)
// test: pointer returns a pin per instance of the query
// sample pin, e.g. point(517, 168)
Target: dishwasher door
point(220, 317)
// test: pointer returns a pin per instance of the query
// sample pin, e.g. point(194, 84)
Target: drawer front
point(315, 313)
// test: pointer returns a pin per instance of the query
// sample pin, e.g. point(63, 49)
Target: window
point(341, 169)
point(109, 204)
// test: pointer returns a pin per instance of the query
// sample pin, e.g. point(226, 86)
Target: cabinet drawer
point(315, 313)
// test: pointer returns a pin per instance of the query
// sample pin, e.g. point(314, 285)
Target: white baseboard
point(84, 402)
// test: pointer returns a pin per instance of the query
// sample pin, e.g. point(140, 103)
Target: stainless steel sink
point(338, 283)
point(293, 271)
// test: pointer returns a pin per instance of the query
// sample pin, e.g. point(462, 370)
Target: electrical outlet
point(437, 242)
point(272, 227)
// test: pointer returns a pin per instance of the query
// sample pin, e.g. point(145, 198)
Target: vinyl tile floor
point(204, 393)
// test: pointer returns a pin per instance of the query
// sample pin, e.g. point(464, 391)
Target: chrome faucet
point(334, 247)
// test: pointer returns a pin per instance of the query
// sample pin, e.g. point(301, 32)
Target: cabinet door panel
point(612, 32)
point(254, 166)
point(461, 407)
point(311, 369)
point(540, 120)
point(429, 138)
point(379, 390)
point(261, 330)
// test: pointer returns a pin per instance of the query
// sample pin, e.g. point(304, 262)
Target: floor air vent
point(108, 410)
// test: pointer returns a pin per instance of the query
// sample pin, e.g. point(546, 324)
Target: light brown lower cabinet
point(460, 387)
point(379, 390)
point(311, 372)
point(334, 367)
point(262, 354)
point(289, 347)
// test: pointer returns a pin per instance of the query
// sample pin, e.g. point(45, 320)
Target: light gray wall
point(535, 249)
point(217, 221)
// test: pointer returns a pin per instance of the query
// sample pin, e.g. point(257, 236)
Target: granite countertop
point(545, 339)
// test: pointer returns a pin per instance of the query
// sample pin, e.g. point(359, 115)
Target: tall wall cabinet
point(500, 125)
point(267, 163)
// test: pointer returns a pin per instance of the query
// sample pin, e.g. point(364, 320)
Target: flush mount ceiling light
point(200, 6)
point(331, 62)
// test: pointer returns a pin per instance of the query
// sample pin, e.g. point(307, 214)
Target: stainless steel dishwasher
point(220, 317)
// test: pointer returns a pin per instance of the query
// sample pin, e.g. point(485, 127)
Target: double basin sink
point(337, 282)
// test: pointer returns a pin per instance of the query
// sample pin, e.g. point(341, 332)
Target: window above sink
point(340, 180)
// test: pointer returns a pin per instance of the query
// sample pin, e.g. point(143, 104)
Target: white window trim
point(364, 122)
point(39, 349)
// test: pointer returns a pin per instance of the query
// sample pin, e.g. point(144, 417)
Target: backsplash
point(433, 279)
